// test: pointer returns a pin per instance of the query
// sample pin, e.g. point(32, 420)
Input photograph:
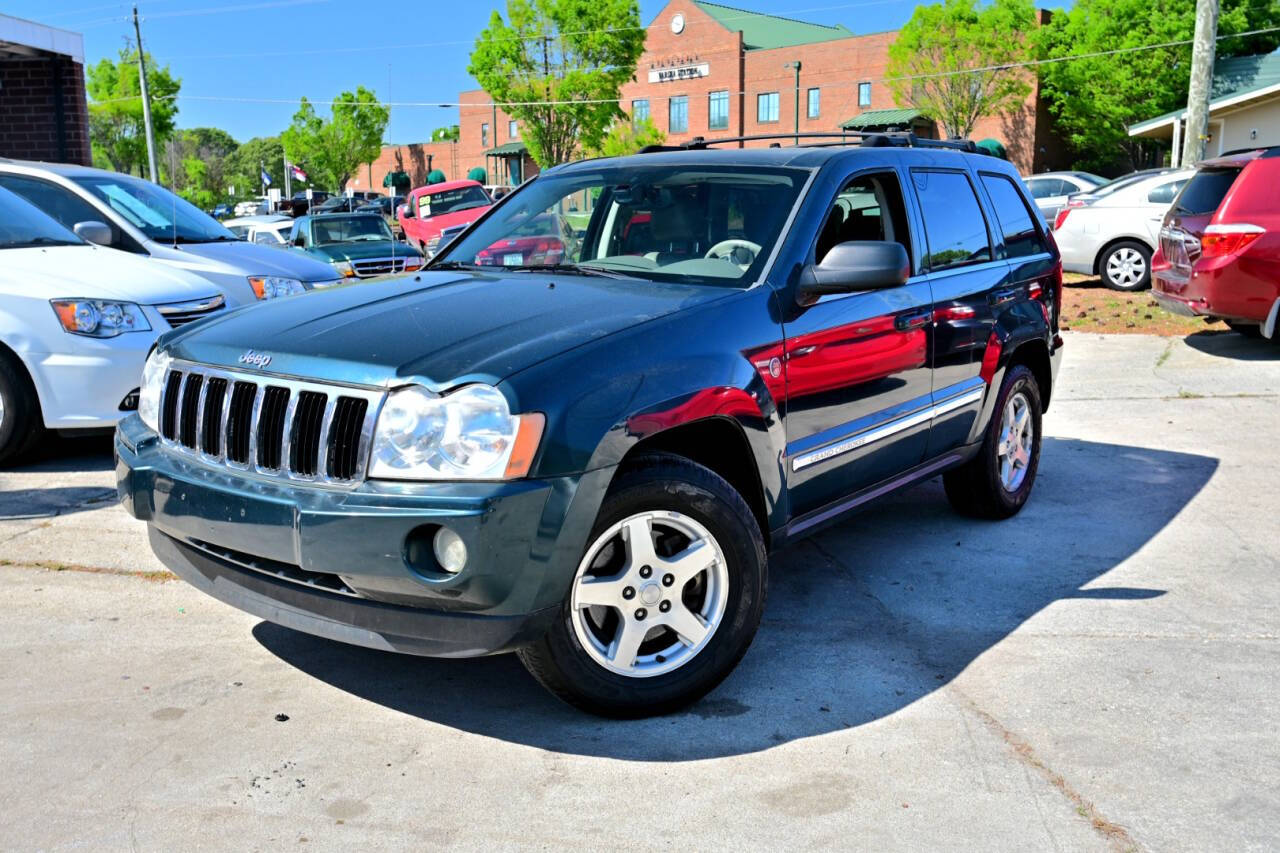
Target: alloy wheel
point(1017, 435)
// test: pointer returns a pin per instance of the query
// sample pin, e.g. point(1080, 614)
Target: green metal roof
point(761, 32)
point(876, 118)
point(1236, 77)
point(507, 148)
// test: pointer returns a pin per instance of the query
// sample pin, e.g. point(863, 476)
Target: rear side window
point(954, 227)
point(1206, 189)
point(1164, 193)
point(1016, 221)
point(1047, 187)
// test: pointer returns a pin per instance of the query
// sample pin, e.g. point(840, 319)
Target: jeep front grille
point(269, 425)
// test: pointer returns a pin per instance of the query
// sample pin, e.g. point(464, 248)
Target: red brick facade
point(43, 113)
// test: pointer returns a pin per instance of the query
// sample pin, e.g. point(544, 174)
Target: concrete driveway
point(1102, 672)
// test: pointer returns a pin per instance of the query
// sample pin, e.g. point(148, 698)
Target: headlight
point(433, 245)
point(411, 264)
point(99, 318)
point(469, 434)
point(154, 374)
point(344, 269)
point(271, 286)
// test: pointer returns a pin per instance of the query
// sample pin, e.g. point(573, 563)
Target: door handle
point(907, 322)
point(999, 297)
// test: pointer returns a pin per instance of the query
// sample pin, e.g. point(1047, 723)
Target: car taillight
point(1060, 218)
point(1220, 241)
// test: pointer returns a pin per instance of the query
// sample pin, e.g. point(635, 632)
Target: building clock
point(677, 23)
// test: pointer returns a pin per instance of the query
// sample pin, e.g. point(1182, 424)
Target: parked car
point(221, 211)
point(435, 214)
point(385, 206)
point(1050, 189)
point(545, 239)
point(253, 207)
point(148, 220)
point(1115, 235)
point(337, 204)
point(299, 204)
point(1080, 199)
point(497, 191)
point(76, 323)
point(1219, 252)
point(358, 245)
point(589, 459)
point(270, 230)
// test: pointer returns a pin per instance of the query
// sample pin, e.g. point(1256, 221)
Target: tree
point(243, 167)
point(446, 134)
point(211, 147)
point(332, 149)
point(558, 67)
point(1096, 98)
point(953, 36)
point(116, 129)
point(627, 137)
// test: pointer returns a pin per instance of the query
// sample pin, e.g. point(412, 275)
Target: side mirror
point(94, 232)
point(300, 241)
point(406, 211)
point(856, 265)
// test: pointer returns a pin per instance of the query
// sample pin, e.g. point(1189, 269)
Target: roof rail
point(864, 139)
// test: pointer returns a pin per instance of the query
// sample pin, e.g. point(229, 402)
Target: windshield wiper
point(454, 265)
point(39, 241)
point(565, 269)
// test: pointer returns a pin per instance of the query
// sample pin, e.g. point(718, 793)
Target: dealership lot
point(1101, 672)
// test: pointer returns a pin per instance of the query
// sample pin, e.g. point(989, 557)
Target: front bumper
point(348, 564)
point(84, 386)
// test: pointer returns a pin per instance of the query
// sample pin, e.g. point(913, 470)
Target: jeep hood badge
point(257, 359)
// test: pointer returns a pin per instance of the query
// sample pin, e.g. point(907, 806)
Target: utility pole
point(546, 79)
point(1201, 88)
point(146, 101)
point(796, 66)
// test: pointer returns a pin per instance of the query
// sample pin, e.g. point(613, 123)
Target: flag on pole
point(298, 174)
point(266, 179)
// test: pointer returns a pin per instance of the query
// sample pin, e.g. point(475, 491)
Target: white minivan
point(76, 324)
point(148, 220)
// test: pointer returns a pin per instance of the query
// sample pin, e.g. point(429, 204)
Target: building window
point(484, 135)
point(864, 94)
point(513, 129)
point(815, 102)
point(679, 114)
point(640, 109)
point(767, 107)
point(718, 111)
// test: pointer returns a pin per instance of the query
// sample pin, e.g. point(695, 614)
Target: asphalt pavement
point(1102, 672)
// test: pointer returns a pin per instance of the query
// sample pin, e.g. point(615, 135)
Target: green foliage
point(242, 168)
point(1095, 99)
point(116, 129)
point(955, 35)
point(332, 149)
point(209, 147)
point(446, 134)
point(627, 137)
point(580, 51)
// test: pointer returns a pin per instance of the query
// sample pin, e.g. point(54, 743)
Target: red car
point(542, 241)
point(1219, 252)
point(435, 214)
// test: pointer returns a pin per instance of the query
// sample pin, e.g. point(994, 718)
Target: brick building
point(711, 70)
point(43, 112)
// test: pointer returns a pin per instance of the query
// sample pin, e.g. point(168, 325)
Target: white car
point(76, 324)
point(1115, 235)
point(1050, 190)
point(148, 220)
point(269, 230)
point(255, 207)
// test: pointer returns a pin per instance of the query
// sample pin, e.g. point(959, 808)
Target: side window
point(954, 227)
point(1016, 220)
point(266, 238)
point(63, 205)
point(869, 207)
point(1164, 193)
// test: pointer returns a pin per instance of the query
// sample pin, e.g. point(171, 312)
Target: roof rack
point(863, 139)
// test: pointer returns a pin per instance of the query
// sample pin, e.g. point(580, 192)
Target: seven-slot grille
point(381, 266)
point(270, 425)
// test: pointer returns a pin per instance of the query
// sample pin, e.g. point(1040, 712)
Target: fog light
point(451, 551)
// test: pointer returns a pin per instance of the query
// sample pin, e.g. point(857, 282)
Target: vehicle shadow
point(56, 455)
point(1233, 345)
point(862, 620)
point(61, 455)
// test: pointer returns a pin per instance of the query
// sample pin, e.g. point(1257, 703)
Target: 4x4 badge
point(256, 359)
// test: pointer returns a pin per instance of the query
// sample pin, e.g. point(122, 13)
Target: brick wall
point(29, 107)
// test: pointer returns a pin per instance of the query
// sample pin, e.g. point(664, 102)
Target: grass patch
point(1089, 306)
point(55, 566)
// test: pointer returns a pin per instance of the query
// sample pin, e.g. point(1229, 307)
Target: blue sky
point(284, 49)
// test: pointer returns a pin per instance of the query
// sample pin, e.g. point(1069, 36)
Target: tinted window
point(1164, 193)
point(1206, 189)
point(870, 207)
point(61, 204)
point(22, 225)
point(1017, 221)
point(954, 226)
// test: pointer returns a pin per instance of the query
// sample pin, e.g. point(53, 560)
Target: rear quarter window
point(1206, 190)
point(1017, 222)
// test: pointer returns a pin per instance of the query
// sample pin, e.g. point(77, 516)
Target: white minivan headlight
point(469, 434)
point(99, 318)
point(154, 374)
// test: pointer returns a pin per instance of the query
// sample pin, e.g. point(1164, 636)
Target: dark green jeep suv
point(585, 452)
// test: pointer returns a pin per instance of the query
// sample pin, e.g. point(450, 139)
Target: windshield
point(22, 224)
point(349, 229)
point(1206, 190)
point(153, 210)
point(694, 224)
point(448, 201)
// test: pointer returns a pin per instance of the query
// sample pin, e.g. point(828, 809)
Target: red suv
point(1219, 253)
point(435, 214)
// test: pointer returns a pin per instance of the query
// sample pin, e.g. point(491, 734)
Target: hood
point(95, 272)
point(437, 328)
point(236, 257)
point(362, 250)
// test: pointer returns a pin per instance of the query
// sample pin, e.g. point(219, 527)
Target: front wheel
point(1126, 266)
point(666, 599)
point(20, 422)
point(997, 482)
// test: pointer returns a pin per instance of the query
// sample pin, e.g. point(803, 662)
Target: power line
point(213, 10)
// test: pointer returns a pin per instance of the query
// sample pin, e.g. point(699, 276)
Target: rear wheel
point(666, 599)
point(997, 482)
point(1126, 266)
point(20, 422)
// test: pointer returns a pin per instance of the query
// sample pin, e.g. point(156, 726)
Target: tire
point(979, 487)
point(686, 508)
point(1249, 330)
point(21, 425)
point(1126, 266)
